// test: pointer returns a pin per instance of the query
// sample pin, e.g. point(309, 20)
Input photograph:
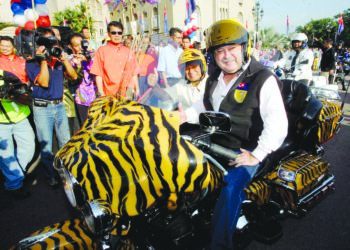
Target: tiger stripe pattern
point(131, 156)
point(328, 123)
point(258, 191)
point(70, 234)
point(308, 168)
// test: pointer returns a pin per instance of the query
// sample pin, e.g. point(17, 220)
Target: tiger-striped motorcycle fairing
point(309, 170)
point(70, 234)
point(328, 123)
point(132, 156)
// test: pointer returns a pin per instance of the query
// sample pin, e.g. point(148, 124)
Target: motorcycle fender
point(70, 234)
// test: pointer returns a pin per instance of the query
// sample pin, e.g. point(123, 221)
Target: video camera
point(85, 52)
point(49, 43)
point(26, 40)
point(11, 86)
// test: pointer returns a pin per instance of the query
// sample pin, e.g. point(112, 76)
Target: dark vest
point(242, 104)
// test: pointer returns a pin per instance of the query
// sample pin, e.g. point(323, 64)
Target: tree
point(271, 39)
point(327, 28)
point(76, 18)
point(6, 25)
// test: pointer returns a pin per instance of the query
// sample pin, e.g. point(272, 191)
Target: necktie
point(294, 60)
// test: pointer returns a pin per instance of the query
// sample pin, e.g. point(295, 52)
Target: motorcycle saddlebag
point(329, 121)
point(300, 181)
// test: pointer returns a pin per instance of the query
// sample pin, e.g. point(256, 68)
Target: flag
point(340, 25)
point(166, 29)
point(287, 22)
point(190, 7)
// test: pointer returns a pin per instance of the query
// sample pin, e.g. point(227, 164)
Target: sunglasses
point(116, 32)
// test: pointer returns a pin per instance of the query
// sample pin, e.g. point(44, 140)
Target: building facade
point(140, 16)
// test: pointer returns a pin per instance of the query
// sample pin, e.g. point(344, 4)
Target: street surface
point(326, 227)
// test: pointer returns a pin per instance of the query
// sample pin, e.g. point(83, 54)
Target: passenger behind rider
point(298, 61)
point(250, 94)
point(188, 90)
point(191, 89)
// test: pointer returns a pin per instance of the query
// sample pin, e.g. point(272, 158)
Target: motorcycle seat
point(302, 109)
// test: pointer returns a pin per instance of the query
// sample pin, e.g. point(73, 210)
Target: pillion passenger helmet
point(226, 32)
point(301, 37)
point(193, 56)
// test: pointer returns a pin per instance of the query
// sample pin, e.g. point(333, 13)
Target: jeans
point(46, 120)
point(228, 207)
point(13, 161)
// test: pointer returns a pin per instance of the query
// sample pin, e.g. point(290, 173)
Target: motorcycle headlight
point(286, 174)
point(71, 186)
point(98, 217)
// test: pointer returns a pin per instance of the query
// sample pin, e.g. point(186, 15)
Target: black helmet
point(340, 42)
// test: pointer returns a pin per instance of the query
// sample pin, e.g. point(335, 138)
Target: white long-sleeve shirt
point(272, 112)
point(303, 64)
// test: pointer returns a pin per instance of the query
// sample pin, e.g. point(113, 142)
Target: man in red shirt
point(9, 61)
point(115, 65)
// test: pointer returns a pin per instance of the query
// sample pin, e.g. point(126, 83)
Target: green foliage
point(271, 39)
point(325, 28)
point(6, 25)
point(76, 18)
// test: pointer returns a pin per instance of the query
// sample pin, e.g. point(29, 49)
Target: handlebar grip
point(222, 151)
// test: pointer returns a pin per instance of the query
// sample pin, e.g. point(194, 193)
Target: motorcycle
point(342, 70)
point(142, 181)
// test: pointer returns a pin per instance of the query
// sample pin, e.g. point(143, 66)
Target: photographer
point(46, 74)
point(86, 89)
point(17, 138)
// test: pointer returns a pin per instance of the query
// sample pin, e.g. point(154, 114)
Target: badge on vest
point(241, 92)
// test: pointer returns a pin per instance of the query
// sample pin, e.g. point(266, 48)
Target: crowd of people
point(64, 81)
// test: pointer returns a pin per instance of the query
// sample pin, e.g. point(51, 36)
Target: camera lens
point(55, 52)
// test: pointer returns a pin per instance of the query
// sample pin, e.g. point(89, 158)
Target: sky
point(300, 12)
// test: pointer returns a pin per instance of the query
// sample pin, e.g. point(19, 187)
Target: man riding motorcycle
point(299, 61)
point(249, 93)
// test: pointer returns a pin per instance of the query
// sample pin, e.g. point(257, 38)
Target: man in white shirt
point(250, 94)
point(168, 59)
point(299, 60)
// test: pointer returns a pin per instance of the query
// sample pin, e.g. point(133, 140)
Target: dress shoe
point(18, 193)
point(53, 183)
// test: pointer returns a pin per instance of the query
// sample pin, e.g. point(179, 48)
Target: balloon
point(43, 21)
point(40, 1)
point(41, 10)
point(17, 9)
point(18, 30)
point(185, 33)
point(16, 1)
point(194, 28)
point(29, 25)
point(20, 20)
point(30, 15)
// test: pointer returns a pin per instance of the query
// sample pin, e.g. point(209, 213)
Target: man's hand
point(244, 159)
point(41, 52)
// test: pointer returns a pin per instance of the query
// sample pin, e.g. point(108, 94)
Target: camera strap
point(2, 109)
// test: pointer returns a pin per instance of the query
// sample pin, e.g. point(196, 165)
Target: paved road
point(326, 227)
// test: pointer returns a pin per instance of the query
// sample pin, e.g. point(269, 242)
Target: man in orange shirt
point(115, 65)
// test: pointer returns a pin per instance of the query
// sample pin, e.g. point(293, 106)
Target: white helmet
point(299, 37)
